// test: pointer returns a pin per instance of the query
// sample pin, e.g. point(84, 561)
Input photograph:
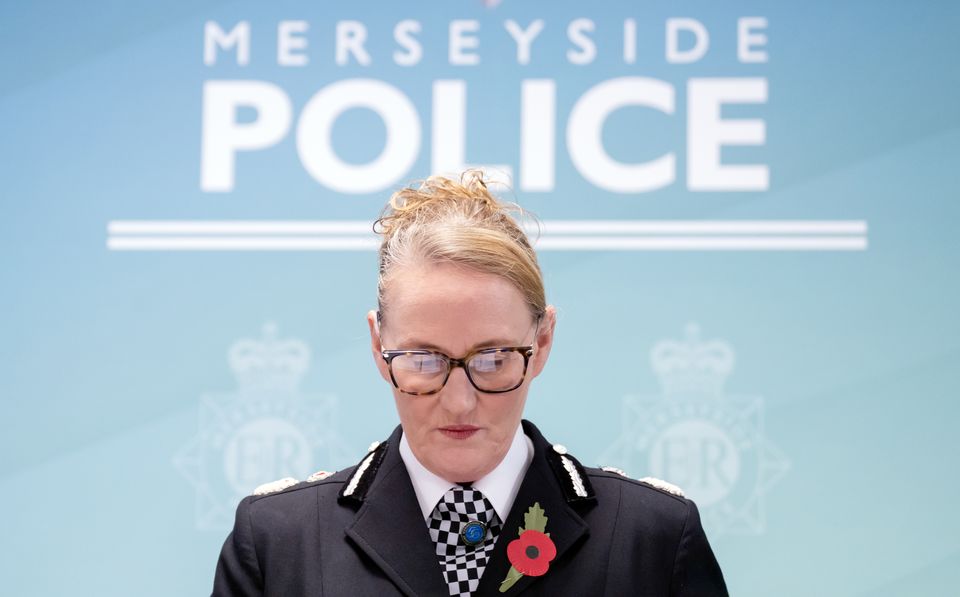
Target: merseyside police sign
point(686, 41)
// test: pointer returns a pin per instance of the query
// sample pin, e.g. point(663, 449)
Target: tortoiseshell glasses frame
point(525, 351)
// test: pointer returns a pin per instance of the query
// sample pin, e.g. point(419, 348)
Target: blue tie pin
point(473, 532)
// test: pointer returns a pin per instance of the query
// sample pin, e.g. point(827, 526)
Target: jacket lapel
point(564, 525)
point(389, 528)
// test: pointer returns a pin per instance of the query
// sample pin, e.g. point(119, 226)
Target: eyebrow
point(416, 344)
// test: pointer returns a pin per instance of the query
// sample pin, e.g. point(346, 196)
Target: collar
point(383, 497)
point(500, 485)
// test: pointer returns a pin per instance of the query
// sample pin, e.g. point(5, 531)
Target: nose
point(458, 396)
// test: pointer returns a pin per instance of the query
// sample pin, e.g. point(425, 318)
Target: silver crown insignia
point(692, 366)
point(269, 363)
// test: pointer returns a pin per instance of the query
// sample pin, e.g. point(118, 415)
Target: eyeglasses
point(491, 370)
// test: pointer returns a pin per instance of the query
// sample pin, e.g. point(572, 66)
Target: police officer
point(465, 497)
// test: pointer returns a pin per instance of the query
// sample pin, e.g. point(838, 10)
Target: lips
point(459, 431)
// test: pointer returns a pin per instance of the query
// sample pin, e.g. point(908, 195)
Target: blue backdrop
point(749, 228)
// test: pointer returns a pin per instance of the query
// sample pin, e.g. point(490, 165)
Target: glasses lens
point(419, 373)
point(496, 371)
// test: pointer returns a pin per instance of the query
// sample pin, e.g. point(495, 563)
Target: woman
point(464, 498)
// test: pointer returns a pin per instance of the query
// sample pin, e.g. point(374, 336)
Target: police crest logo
point(695, 435)
point(265, 430)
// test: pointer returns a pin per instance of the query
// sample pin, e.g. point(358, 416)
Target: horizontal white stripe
point(704, 227)
point(547, 227)
point(227, 243)
point(702, 243)
point(570, 243)
point(240, 227)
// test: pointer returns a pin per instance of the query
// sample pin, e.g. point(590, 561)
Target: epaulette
point(319, 476)
point(651, 481)
point(355, 489)
point(275, 486)
point(288, 482)
point(662, 485)
point(573, 479)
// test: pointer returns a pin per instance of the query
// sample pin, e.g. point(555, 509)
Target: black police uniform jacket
point(361, 532)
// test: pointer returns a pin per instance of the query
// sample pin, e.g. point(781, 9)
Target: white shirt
point(500, 485)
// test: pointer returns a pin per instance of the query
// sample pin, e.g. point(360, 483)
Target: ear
point(376, 346)
point(544, 340)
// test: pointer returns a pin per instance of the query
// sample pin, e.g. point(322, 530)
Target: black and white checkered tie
point(463, 564)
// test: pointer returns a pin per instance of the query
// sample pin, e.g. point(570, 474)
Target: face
point(459, 433)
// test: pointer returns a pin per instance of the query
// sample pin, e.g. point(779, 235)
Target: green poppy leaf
point(534, 518)
point(512, 577)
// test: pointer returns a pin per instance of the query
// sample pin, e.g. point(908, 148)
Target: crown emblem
point(692, 366)
point(269, 363)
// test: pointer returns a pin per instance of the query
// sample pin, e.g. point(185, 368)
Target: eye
point(490, 362)
point(421, 363)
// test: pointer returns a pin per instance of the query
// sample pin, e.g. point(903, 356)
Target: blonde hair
point(446, 221)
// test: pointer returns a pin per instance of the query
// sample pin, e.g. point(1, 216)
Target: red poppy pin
point(532, 552)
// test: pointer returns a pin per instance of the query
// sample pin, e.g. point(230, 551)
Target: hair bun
point(460, 221)
point(437, 198)
point(473, 179)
